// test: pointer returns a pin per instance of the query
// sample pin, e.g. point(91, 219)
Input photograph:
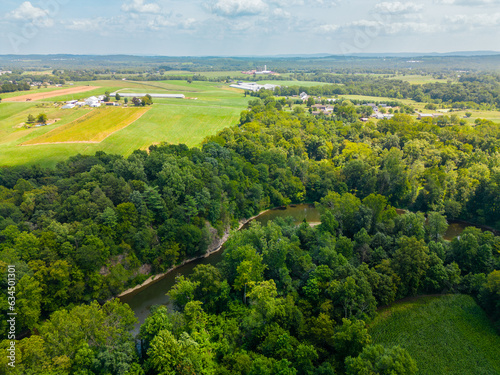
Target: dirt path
point(50, 94)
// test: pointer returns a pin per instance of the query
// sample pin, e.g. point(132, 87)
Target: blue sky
point(247, 27)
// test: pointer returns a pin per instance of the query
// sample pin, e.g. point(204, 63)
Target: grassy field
point(444, 334)
point(94, 126)
point(186, 121)
point(293, 83)
point(34, 90)
point(417, 79)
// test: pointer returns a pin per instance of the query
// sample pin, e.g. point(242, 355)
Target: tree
point(125, 100)
point(410, 262)
point(350, 339)
point(42, 118)
point(182, 292)
point(31, 119)
point(146, 100)
point(117, 97)
point(436, 225)
point(375, 359)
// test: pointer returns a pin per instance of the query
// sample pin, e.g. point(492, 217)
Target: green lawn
point(444, 334)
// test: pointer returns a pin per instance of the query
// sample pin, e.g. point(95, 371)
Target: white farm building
point(253, 86)
point(138, 95)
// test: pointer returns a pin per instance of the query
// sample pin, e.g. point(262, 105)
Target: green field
point(94, 126)
point(417, 79)
point(444, 334)
point(174, 121)
point(33, 90)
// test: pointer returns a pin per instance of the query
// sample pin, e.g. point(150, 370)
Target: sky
point(247, 27)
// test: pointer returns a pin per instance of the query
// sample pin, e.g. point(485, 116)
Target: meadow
point(447, 334)
point(94, 126)
point(174, 121)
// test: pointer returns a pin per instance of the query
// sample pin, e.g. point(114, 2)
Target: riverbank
point(213, 248)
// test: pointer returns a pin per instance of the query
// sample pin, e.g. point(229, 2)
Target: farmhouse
point(323, 108)
point(429, 115)
point(93, 102)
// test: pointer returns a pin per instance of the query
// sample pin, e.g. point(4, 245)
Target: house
point(80, 104)
point(92, 101)
point(68, 106)
point(424, 115)
point(71, 101)
point(323, 108)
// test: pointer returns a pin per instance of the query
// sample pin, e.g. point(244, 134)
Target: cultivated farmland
point(49, 94)
point(174, 121)
point(445, 334)
point(93, 127)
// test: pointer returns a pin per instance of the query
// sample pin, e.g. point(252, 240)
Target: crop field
point(447, 334)
point(93, 127)
point(37, 95)
point(174, 121)
point(34, 90)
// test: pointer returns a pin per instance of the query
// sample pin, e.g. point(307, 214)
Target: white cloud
point(139, 6)
point(85, 24)
point(462, 21)
point(234, 8)
point(374, 28)
point(468, 2)
point(285, 3)
point(326, 29)
point(398, 7)
point(28, 12)
point(160, 22)
point(280, 13)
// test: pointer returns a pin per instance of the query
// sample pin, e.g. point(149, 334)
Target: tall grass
point(445, 334)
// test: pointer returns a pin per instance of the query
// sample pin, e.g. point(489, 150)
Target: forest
point(471, 90)
point(285, 299)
